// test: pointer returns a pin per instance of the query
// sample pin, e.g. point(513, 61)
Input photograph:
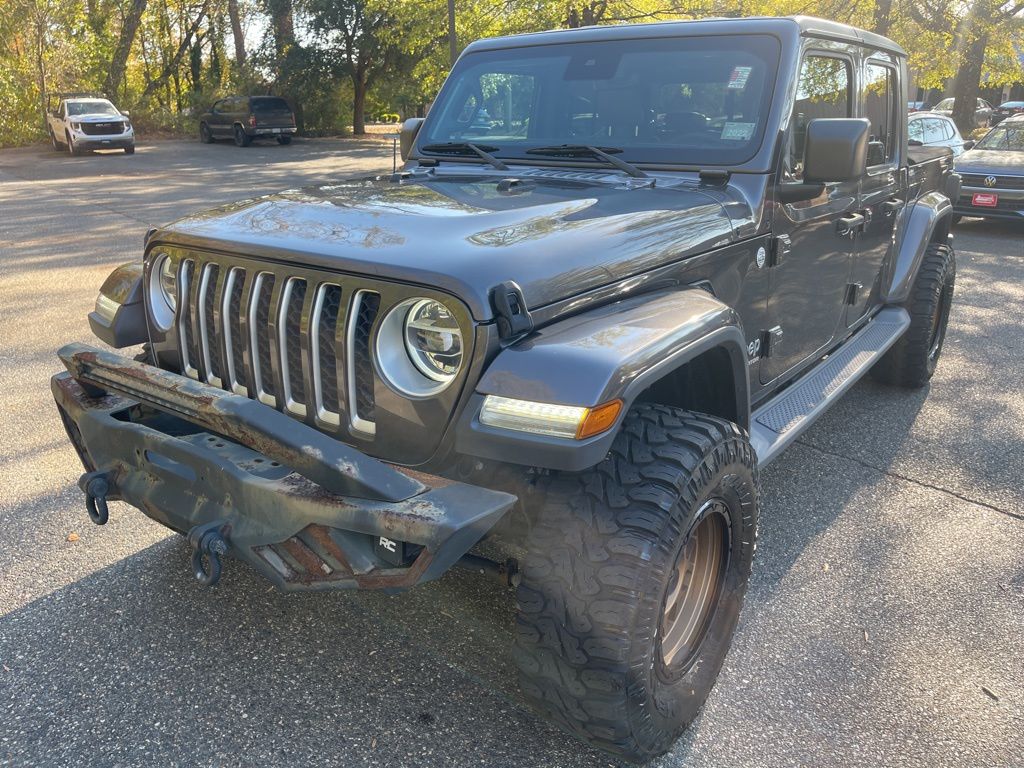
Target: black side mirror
point(407, 136)
point(969, 144)
point(914, 143)
point(836, 149)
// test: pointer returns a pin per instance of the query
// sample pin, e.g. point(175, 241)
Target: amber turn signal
point(599, 419)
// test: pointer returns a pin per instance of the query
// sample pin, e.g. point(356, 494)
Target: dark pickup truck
point(620, 271)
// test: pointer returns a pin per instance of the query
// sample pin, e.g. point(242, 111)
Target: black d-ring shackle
point(96, 486)
point(207, 543)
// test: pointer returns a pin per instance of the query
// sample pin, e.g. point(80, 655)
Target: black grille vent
point(293, 338)
point(266, 286)
point(191, 347)
point(209, 316)
point(238, 342)
point(326, 335)
point(362, 361)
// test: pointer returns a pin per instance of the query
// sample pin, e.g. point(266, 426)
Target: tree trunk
point(282, 20)
point(115, 75)
point(968, 83)
point(236, 33)
point(172, 66)
point(359, 103)
point(883, 17)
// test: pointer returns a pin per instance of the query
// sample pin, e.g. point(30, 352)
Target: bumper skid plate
point(304, 510)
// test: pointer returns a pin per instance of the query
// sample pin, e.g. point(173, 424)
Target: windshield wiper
point(465, 148)
point(584, 150)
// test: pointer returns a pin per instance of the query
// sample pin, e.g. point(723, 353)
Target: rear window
point(270, 105)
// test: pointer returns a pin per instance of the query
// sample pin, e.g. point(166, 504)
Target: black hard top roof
point(807, 26)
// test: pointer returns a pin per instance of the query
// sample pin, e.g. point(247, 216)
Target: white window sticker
point(738, 78)
point(737, 131)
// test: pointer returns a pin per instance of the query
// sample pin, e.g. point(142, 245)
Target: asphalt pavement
point(884, 624)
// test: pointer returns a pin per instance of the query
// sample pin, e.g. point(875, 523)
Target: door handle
point(891, 207)
point(849, 224)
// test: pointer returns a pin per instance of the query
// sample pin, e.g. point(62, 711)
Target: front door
point(815, 239)
point(882, 198)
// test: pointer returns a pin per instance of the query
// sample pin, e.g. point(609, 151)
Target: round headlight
point(419, 347)
point(163, 290)
point(433, 340)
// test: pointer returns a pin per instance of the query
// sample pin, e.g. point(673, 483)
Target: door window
point(822, 91)
point(915, 130)
point(933, 131)
point(880, 110)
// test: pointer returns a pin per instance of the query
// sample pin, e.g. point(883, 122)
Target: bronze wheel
point(695, 586)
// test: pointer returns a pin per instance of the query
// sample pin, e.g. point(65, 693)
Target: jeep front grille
point(281, 338)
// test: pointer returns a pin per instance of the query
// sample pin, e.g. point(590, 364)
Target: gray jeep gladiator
point(621, 269)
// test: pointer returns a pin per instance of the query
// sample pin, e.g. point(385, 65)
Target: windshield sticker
point(738, 78)
point(738, 131)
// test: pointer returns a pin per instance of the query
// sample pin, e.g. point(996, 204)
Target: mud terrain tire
point(604, 557)
point(911, 361)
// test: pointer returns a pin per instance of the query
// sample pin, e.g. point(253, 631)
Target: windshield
point(684, 101)
point(1007, 137)
point(93, 107)
point(945, 104)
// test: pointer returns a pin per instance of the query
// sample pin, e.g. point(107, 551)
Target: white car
point(930, 129)
point(80, 123)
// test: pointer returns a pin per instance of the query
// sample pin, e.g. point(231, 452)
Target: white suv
point(80, 123)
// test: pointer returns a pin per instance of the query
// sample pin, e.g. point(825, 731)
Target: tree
point(130, 25)
point(365, 39)
point(235, 15)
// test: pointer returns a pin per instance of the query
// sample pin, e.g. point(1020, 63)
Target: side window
point(822, 91)
point(915, 130)
point(880, 110)
point(218, 106)
point(933, 131)
point(947, 129)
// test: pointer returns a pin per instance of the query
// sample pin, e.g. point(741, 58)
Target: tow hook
point(207, 542)
point(96, 486)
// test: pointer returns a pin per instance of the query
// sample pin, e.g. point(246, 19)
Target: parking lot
point(884, 623)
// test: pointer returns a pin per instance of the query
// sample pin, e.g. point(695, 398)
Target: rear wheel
point(634, 579)
point(242, 139)
point(53, 141)
point(205, 135)
point(911, 361)
point(284, 139)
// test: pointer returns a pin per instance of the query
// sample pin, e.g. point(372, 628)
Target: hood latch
point(510, 306)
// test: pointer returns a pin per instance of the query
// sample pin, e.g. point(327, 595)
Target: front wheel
point(911, 361)
point(205, 135)
point(72, 149)
point(242, 139)
point(634, 578)
point(130, 149)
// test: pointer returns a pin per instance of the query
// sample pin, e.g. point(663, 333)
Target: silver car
point(930, 129)
point(993, 174)
point(982, 113)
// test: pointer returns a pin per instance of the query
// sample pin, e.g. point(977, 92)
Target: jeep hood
point(466, 234)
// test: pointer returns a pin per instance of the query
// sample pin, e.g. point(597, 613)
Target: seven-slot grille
point(1002, 182)
point(300, 344)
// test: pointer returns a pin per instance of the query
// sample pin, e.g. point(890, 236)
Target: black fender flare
point(120, 315)
point(928, 220)
point(613, 352)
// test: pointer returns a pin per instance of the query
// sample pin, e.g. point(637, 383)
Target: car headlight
point(419, 347)
point(163, 290)
point(76, 126)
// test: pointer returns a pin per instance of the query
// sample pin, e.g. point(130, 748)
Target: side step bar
point(786, 416)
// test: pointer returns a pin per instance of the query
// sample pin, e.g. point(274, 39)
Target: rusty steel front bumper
point(305, 510)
